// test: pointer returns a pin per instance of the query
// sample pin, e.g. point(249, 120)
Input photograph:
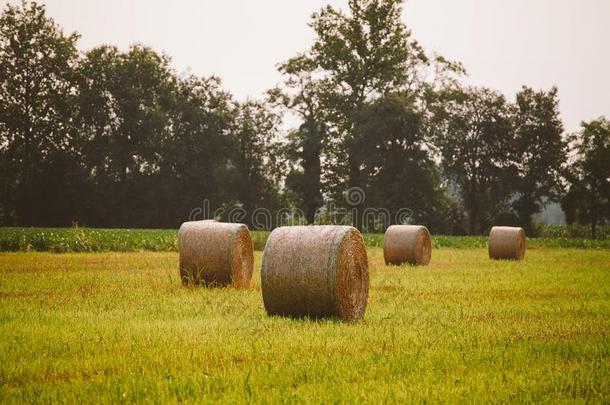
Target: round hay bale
point(407, 244)
point(316, 271)
point(506, 242)
point(215, 254)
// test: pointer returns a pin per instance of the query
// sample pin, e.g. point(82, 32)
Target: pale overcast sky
point(503, 44)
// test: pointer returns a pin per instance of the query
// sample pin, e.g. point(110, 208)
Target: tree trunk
point(312, 170)
point(473, 209)
point(593, 212)
point(354, 183)
point(472, 227)
point(525, 214)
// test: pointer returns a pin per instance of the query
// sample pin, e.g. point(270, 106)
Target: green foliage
point(541, 151)
point(304, 95)
point(360, 56)
point(588, 197)
point(570, 231)
point(363, 68)
point(117, 138)
point(558, 239)
point(62, 240)
point(195, 162)
point(111, 138)
point(505, 158)
point(255, 156)
point(259, 239)
point(365, 51)
point(473, 132)
point(397, 170)
point(125, 104)
point(39, 147)
point(110, 328)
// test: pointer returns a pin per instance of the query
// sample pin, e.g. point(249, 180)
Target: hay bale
point(407, 244)
point(316, 271)
point(506, 242)
point(215, 254)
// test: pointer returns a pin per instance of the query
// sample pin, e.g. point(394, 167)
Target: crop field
point(120, 327)
point(65, 240)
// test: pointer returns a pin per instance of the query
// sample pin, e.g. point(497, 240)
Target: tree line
point(118, 139)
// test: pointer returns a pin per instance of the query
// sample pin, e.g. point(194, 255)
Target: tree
point(195, 160)
point(356, 57)
point(541, 151)
point(5, 186)
point(588, 197)
point(398, 170)
point(125, 106)
point(364, 54)
point(474, 133)
point(302, 94)
point(39, 156)
point(254, 156)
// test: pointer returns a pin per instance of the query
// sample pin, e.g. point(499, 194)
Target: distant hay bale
point(506, 242)
point(316, 271)
point(407, 244)
point(215, 254)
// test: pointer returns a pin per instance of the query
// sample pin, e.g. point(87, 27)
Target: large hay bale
point(506, 242)
point(316, 271)
point(215, 254)
point(407, 244)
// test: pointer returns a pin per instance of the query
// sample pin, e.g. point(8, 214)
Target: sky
point(502, 44)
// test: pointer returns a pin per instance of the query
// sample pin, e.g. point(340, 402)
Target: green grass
point(64, 240)
point(119, 327)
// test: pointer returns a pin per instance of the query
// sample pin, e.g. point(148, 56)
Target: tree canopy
point(588, 198)
point(107, 137)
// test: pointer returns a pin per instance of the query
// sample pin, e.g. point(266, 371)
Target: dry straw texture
point(316, 271)
point(407, 244)
point(215, 254)
point(506, 242)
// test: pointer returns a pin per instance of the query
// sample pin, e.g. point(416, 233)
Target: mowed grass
point(120, 327)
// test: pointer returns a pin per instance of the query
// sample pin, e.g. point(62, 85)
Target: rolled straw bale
point(215, 254)
point(316, 271)
point(407, 244)
point(506, 242)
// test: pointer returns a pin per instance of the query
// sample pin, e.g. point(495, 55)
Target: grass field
point(119, 327)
